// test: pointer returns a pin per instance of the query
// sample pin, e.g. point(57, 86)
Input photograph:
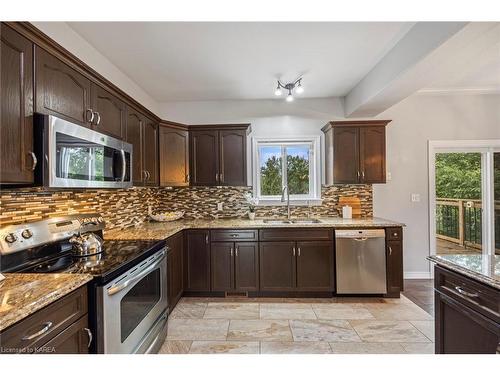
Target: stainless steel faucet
point(287, 199)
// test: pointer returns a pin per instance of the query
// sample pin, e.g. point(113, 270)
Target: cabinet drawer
point(477, 296)
point(394, 234)
point(43, 325)
point(234, 235)
point(296, 234)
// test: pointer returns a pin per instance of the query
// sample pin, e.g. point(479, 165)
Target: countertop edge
point(466, 272)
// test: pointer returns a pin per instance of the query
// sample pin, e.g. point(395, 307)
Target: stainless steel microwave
point(72, 156)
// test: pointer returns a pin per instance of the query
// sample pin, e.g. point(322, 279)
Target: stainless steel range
point(128, 304)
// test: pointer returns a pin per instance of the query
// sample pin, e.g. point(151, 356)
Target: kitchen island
point(467, 303)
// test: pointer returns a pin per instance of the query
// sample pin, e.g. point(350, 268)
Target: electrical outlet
point(220, 206)
point(389, 176)
point(415, 197)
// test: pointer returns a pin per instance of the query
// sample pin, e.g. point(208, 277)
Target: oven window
point(79, 159)
point(138, 302)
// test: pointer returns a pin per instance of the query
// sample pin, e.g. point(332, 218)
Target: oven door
point(81, 157)
point(133, 303)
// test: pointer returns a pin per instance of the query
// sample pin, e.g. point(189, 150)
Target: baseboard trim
point(417, 275)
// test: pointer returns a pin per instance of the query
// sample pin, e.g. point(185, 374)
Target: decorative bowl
point(167, 216)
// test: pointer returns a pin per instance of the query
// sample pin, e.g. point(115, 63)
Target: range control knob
point(27, 233)
point(11, 238)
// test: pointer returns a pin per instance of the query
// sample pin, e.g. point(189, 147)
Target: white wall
point(415, 121)
point(73, 42)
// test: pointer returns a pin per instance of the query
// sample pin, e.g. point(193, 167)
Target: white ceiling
point(175, 61)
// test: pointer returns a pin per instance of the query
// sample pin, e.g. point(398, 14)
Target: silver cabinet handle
point(186, 179)
point(217, 177)
point(465, 293)
point(294, 251)
point(89, 334)
point(298, 251)
point(236, 251)
point(145, 174)
point(231, 251)
point(221, 177)
point(206, 238)
point(98, 120)
point(390, 250)
point(115, 289)
point(149, 175)
point(35, 160)
point(234, 235)
point(91, 115)
point(358, 175)
point(45, 328)
point(363, 175)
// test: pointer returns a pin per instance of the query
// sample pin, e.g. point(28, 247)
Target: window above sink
point(279, 162)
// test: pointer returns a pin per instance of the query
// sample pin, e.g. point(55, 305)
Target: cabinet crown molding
point(357, 123)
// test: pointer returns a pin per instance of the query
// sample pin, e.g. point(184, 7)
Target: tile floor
point(275, 326)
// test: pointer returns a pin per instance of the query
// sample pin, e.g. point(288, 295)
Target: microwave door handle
point(124, 164)
point(115, 289)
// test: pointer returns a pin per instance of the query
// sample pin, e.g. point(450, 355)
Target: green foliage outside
point(458, 175)
point(298, 175)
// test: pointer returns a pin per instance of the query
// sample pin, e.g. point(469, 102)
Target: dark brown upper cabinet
point(60, 90)
point(174, 155)
point(109, 112)
point(142, 133)
point(218, 155)
point(355, 152)
point(17, 160)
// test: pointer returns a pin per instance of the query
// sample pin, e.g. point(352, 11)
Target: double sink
point(292, 221)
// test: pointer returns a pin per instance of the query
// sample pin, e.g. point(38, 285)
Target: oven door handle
point(115, 289)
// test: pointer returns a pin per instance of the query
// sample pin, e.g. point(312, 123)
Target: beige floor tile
point(232, 311)
point(341, 311)
point(416, 348)
point(188, 310)
point(323, 330)
point(197, 329)
point(261, 330)
point(425, 326)
point(367, 348)
point(224, 347)
point(387, 331)
point(281, 347)
point(401, 311)
point(286, 311)
point(175, 347)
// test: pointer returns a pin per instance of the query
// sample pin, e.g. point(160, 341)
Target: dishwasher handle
point(360, 234)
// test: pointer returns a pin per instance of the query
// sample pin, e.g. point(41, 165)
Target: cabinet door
point(372, 154)
point(346, 155)
point(222, 266)
point(461, 330)
point(233, 157)
point(174, 156)
point(60, 90)
point(394, 255)
point(16, 131)
point(204, 157)
point(150, 151)
point(315, 266)
point(197, 261)
point(73, 340)
point(134, 136)
point(246, 266)
point(277, 266)
point(111, 113)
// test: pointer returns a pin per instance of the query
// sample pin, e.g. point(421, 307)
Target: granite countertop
point(159, 231)
point(483, 268)
point(22, 294)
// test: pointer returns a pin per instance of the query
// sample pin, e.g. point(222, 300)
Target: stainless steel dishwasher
point(360, 261)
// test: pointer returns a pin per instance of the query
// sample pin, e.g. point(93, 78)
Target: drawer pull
point(465, 293)
point(46, 327)
point(234, 235)
point(89, 334)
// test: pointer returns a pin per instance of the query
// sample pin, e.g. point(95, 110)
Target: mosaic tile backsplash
point(124, 208)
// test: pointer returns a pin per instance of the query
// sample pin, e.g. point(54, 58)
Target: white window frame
point(314, 197)
point(486, 148)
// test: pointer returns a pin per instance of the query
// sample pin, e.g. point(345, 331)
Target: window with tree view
point(286, 164)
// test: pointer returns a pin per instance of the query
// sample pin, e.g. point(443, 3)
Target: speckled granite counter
point(483, 268)
point(21, 294)
point(159, 231)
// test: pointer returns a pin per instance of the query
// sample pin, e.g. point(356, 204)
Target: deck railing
point(460, 221)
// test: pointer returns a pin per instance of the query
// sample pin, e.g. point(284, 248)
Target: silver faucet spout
point(287, 199)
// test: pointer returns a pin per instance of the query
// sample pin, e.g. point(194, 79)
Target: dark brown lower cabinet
point(197, 261)
point(175, 286)
point(394, 261)
point(277, 266)
point(74, 339)
point(315, 266)
point(222, 266)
